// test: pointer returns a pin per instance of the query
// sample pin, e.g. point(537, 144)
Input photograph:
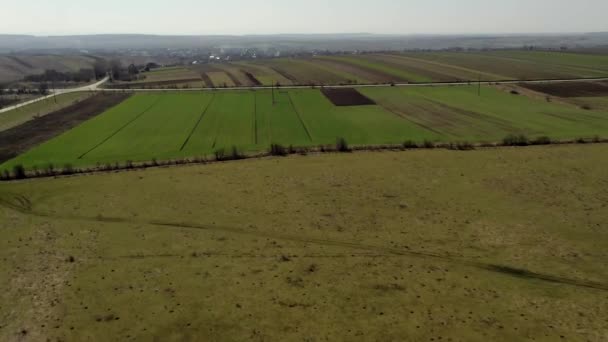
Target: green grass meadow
point(176, 125)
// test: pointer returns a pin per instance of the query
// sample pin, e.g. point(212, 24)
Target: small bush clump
point(235, 154)
point(428, 144)
point(461, 146)
point(542, 141)
point(409, 144)
point(19, 172)
point(342, 145)
point(220, 154)
point(277, 150)
point(516, 140)
point(68, 169)
point(5, 175)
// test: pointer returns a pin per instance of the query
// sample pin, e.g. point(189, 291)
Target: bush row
point(220, 155)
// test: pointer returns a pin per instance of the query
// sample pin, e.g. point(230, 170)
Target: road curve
point(90, 87)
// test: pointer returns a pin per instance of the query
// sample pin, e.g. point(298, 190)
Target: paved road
point(90, 87)
point(429, 84)
point(96, 87)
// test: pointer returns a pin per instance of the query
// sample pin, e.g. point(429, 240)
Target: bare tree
point(43, 88)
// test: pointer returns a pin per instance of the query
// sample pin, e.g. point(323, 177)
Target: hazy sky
point(52, 17)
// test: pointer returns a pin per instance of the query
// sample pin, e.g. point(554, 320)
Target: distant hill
point(362, 41)
point(15, 67)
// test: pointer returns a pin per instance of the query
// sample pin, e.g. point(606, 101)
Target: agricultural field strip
point(449, 66)
point(536, 62)
point(401, 74)
point(342, 74)
point(299, 117)
point(198, 122)
point(122, 127)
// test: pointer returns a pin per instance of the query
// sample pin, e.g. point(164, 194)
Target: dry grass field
point(500, 244)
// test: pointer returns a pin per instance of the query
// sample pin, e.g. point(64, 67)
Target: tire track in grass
point(22, 205)
point(218, 128)
point(121, 128)
point(200, 118)
point(299, 116)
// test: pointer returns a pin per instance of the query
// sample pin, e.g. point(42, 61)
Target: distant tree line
point(50, 76)
point(101, 68)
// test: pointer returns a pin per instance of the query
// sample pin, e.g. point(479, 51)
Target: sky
point(61, 17)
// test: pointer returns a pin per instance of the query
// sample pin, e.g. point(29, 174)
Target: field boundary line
point(121, 128)
point(200, 118)
point(299, 116)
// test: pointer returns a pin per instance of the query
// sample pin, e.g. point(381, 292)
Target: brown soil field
point(285, 74)
point(19, 139)
point(252, 78)
point(347, 97)
point(571, 89)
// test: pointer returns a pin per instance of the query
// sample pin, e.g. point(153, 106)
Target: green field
point(21, 115)
point(176, 125)
point(458, 113)
point(492, 245)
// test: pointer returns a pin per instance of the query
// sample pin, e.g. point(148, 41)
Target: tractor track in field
point(23, 205)
point(200, 118)
point(255, 118)
point(121, 128)
point(293, 106)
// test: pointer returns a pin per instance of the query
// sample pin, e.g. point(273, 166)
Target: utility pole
point(54, 92)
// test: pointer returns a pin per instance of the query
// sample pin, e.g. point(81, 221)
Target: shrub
point(581, 141)
point(428, 144)
point(68, 169)
point(5, 175)
point(516, 140)
point(50, 169)
point(463, 146)
point(129, 164)
point(586, 107)
point(277, 150)
point(291, 150)
point(597, 139)
point(409, 144)
point(220, 154)
point(235, 155)
point(514, 92)
point(544, 140)
point(19, 172)
point(342, 145)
